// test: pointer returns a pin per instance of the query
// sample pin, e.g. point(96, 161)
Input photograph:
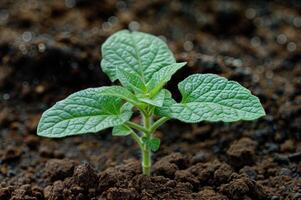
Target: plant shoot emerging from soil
point(143, 64)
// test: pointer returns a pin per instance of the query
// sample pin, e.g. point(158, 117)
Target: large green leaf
point(208, 97)
point(131, 81)
point(135, 52)
point(82, 112)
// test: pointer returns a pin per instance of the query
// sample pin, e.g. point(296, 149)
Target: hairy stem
point(135, 137)
point(158, 123)
point(146, 155)
point(137, 127)
point(147, 129)
point(146, 163)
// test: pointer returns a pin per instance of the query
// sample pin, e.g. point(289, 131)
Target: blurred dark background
point(50, 47)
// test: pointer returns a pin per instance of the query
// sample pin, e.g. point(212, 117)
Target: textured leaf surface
point(162, 76)
point(121, 131)
point(82, 112)
point(135, 52)
point(118, 91)
point(213, 98)
point(153, 143)
point(156, 100)
point(131, 81)
point(165, 109)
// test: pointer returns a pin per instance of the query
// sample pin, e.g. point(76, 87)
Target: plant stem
point(147, 120)
point(158, 123)
point(136, 126)
point(147, 130)
point(146, 163)
point(146, 155)
point(136, 138)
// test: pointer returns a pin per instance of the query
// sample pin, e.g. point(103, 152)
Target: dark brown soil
point(49, 49)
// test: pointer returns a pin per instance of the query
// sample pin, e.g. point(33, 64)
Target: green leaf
point(86, 111)
point(131, 81)
point(208, 97)
point(156, 100)
point(153, 143)
point(165, 109)
point(161, 77)
point(121, 131)
point(138, 53)
point(120, 92)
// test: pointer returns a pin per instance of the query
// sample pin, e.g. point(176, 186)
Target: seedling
point(143, 64)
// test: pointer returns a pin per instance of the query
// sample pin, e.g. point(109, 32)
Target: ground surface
point(49, 49)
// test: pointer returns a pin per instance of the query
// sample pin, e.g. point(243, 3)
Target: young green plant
point(143, 64)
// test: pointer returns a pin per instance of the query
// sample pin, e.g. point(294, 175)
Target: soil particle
point(159, 187)
point(223, 173)
point(297, 196)
point(4, 74)
point(26, 192)
point(201, 132)
point(186, 176)
point(67, 189)
point(4, 116)
point(118, 176)
point(54, 192)
point(201, 156)
point(299, 168)
point(249, 171)
point(10, 154)
point(204, 172)
point(168, 165)
point(242, 188)
point(210, 194)
point(119, 193)
point(242, 152)
point(288, 146)
point(85, 176)
point(32, 141)
point(281, 158)
point(46, 152)
point(5, 193)
point(56, 169)
point(295, 157)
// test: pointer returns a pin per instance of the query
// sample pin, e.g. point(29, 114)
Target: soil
point(49, 49)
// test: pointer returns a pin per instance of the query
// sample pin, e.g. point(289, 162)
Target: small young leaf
point(153, 143)
point(120, 92)
point(208, 97)
point(121, 131)
point(131, 81)
point(161, 77)
point(156, 100)
point(86, 111)
point(165, 109)
point(135, 52)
